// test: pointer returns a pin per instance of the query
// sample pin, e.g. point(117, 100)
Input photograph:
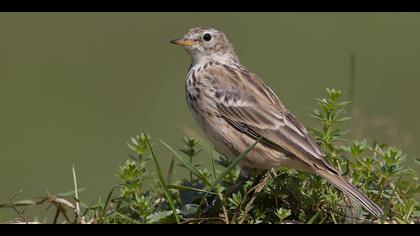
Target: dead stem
point(12, 205)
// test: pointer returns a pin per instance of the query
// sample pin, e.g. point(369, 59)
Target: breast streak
point(226, 139)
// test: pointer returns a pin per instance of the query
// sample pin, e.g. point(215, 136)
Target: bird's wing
point(255, 110)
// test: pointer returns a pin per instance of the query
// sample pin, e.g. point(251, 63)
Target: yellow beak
point(182, 42)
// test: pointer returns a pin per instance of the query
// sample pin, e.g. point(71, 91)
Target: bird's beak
point(182, 42)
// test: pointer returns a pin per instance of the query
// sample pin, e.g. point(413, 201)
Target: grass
point(281, 196)
point(162, 182)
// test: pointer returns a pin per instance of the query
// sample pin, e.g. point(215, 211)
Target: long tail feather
point(351, 191)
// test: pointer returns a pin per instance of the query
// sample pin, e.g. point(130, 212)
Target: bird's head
point(204, 43)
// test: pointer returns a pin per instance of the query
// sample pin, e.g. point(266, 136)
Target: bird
point(235, 108)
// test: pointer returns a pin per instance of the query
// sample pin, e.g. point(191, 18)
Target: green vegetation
point(280, 196)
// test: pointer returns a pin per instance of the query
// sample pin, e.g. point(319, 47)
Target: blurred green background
point(74, 87)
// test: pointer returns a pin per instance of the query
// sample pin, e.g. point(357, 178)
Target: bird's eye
point(207, 37)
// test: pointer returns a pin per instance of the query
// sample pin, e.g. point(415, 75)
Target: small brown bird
point(234, 107)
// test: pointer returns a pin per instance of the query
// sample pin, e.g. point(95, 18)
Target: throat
point(228, 59)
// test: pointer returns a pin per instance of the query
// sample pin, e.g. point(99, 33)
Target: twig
point(62, 209)
point(57, 213)
point(255, 190)
point(15, 208)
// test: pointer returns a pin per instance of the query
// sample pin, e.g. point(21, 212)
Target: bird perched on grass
point(234, 107)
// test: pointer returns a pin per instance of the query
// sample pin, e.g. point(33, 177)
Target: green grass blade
point(163, 183)
point(313, 218)
point(187, 164)
point(171, 171)
point(180, 187)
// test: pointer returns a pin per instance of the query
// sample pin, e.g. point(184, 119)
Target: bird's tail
point(347, 188)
